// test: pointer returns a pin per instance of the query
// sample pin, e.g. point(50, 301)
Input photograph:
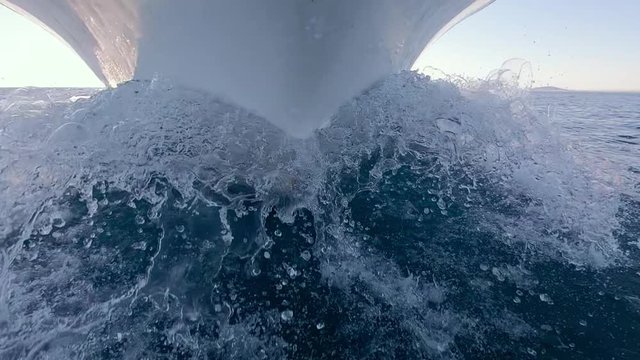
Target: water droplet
point(277, 233)
point(546, 298)
point(286, 315)
point(306, 255)
point(139, 220)
point(180, 228)
point(320, 325)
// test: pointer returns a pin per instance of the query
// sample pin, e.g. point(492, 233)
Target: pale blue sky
point(576, 44)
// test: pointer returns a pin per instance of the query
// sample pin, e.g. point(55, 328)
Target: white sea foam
point(488, 147)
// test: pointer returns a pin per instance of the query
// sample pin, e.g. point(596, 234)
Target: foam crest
point(485, 145)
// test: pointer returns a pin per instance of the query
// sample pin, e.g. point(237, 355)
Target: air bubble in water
point(139, 220)
point(286, 315)
point(58, 222)
point(180, 228)
point(306, 255)
point(583, 322)
point(546, 298)
point(267, 255)
point(308, 239)
point(46, 229)
point(292, 272)
point(320, 325)
point(277, 233)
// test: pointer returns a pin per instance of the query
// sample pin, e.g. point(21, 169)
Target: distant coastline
point(549, 89)
point(553, 89)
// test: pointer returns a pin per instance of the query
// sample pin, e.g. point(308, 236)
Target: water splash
point(151, 220)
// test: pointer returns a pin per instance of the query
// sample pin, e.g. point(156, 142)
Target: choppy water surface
point(601, 127)
point(153, 222)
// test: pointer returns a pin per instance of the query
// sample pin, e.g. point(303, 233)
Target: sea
point(426, 220)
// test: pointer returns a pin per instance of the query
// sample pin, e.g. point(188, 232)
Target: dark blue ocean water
point(424, 222)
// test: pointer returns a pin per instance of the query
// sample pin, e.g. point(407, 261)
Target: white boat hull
point(292, 61)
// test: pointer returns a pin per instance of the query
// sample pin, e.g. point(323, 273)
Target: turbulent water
point(424, 222)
